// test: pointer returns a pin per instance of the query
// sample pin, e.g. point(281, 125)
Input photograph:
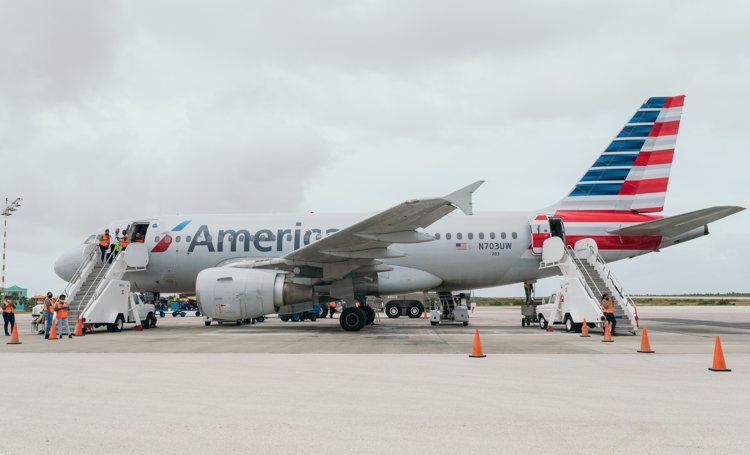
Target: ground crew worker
point(49, 311)
point(104, 242)
point(114, 244)
point(123, 241)
point(608, 308)
point(138, 237)
point(9, 315)
point(528, 288)
point(331, 308)
point(61, 309)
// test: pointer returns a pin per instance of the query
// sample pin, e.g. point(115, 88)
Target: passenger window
point(177, 239)
point(437, 236)
point(514, 235)
point(448, 236)
point(502, 235)
point(188, 238)
point(459, 236)
point(470, 235)
point(156, 239)
point(492, 235)
point(481, 236)
point(289, 238)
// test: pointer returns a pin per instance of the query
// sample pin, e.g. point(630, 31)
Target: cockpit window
point(89, 239)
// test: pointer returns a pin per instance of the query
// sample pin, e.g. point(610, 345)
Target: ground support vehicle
point(449, 308)
point(311, 314)
point(570, 305)
point(529, 311)
point(117, 306)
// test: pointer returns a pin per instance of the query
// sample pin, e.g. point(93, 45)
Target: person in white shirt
point(115, 240)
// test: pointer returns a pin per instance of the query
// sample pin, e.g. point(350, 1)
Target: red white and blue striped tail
point(633, 172)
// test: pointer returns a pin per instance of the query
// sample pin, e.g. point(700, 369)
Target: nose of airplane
point(67, 264)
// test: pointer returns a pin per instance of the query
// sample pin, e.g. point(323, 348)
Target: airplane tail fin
point(633, 171)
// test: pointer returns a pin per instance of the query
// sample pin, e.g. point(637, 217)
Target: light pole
point(10, 207)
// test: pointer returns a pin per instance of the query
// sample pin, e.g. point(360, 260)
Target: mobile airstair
point(584, 263)
point(94, 277)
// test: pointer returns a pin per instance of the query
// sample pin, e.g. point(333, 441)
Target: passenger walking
point(331, 308)
point(113, 245)
point(104, 242)
point(608, 308)
point(61, 309)
point(49, 312)
point(9, 315)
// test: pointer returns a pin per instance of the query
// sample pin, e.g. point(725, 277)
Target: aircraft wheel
point(352, 319)
point(393, 311)
point(414, 310)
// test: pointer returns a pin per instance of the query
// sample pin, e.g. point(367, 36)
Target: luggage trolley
point(529, 313)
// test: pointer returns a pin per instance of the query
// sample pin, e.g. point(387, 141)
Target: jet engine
point(226, 293)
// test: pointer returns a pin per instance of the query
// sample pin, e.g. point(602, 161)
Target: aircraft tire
point(369, 314)
point(352, 319)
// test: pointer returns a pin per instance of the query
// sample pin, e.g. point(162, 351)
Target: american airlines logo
point(262, 240)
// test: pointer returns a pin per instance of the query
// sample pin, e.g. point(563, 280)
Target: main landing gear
point(353, 318)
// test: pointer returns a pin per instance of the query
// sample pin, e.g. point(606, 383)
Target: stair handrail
point(582, 271)
point(94, 291)
point(617, 285)
point(92, 253)
point(117, 267)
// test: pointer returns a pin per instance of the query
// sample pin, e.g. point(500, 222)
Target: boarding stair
point(584, 262)
point(93, 275)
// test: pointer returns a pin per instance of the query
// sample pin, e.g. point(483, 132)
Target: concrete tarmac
point(274, 388)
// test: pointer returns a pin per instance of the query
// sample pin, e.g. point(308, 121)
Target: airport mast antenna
point(10, 207)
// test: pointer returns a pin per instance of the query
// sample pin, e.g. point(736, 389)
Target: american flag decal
point(461, 246)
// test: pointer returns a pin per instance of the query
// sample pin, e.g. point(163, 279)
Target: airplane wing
point(359, 246)
point(679, 224)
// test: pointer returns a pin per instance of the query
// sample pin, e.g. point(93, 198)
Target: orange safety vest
point(9, 307)
point(62, 310)
point(123, 241)
point(104, 241)
point(332, 304)
point(49, 305)
point(610, 309)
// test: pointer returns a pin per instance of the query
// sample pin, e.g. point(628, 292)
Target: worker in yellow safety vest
point(104, 242)
point(61, 309)
point(9, 315)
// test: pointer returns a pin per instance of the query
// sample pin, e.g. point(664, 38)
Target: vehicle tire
point(207, 323)
point(260, 319)
point(352, 319)
point(434, 323)
point(239, 322)
point(153, 321)
point(415, 310)
point(465, 323)
point(591, 325)
point(577, 327)
point(393, 310)
point(118, 324)
point(162, 314)
point(284, 318)
point(296, 317)
point(146, 323)
point(313, 317)
point(174, 314)
point(542, 322)
point(523, 322)
point(369, 315)
point(569, 324)
point(220, 322)
point(182, 314)
point(197, 314)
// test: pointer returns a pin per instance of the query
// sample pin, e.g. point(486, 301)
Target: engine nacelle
point(232, 293)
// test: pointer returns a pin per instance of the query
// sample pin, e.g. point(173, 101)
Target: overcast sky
point(114, 110)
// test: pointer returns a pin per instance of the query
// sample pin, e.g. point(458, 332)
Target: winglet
point(462, 197)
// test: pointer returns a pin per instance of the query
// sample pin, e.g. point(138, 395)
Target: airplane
point(250, 265)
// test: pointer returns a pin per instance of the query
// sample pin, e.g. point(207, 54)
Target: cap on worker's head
point(49, 294)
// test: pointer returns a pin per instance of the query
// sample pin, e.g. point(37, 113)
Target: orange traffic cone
point(53, 330)
point(424, 316)
point(14, 335)
point(719, 364)
point(607, 334)
point(645, 345)
point(585, 329)
point(477, 350)
point(79, 328)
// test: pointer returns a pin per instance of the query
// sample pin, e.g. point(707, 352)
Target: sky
point(113, 110)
